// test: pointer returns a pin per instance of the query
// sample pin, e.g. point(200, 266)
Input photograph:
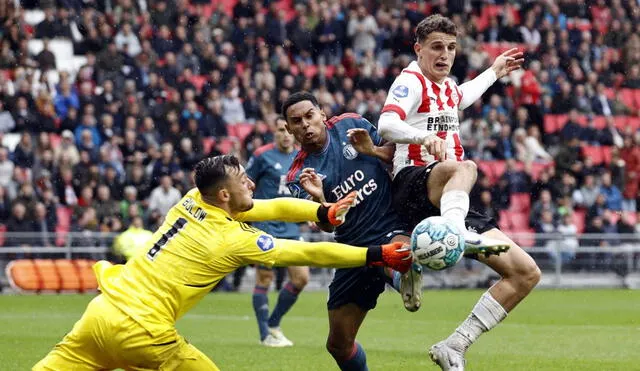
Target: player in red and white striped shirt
point(431, 176)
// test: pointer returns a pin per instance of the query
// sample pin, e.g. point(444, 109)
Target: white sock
point(454, 205)
point(485, 315)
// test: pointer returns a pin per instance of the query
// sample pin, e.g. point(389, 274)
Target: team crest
point(295, 190)
point(349, 152)
point(265, 242)
point(400, 91)
point(277, 166)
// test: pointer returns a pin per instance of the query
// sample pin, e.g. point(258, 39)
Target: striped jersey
point(427, 106)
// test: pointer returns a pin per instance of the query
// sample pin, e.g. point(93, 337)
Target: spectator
point(24, 154)
point(5, 206)
point(127, 41)
point(65, 99)
point(545, 203)
point(232, 110)
point(19, 225)
point(130, 198)
point(600, 104)
point(611, 193)
point(546, 229)
point(363, 28)
point(23, 116)
point(45, 231)
point(46, 59)
point(164, 196)
point(501, 146)
point(630, 154)
point(586, 195)
point(105, 205)
point(6, 168)
point(7, 123)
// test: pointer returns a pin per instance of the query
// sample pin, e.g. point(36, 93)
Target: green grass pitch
point(551, 330)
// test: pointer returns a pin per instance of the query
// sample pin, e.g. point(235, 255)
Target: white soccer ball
point(437, 243)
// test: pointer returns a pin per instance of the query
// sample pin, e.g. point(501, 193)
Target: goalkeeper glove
point(395, 255)
point(335, 214)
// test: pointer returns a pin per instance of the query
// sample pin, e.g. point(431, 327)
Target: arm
point(363, 143)
point(504, 64)
point(294, 210)
point(393, 129)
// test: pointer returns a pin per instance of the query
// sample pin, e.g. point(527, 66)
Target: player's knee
point(527, 274)
point(264, 277)
point(300, 281)
point(339, 348)
point(469, 168)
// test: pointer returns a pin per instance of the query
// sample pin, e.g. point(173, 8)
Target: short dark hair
point(298, 97)
point(435, 23)
point(212, 171)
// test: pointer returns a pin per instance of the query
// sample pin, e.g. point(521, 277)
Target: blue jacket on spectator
point(97, 141)
point(62, 104)
point(614, 197)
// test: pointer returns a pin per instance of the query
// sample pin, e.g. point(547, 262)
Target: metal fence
point(587, 260)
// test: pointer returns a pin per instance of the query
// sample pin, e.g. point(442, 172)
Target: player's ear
point(417, 47)
point(223, 194)
point(324, 115)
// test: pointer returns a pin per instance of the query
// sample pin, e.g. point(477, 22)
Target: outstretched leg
point(299, 277)
point(520, 275)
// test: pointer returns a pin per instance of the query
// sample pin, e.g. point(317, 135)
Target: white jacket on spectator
point(162, 200)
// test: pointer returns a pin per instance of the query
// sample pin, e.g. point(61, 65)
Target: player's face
point(436, 55)
point(306, 122)
point(240, 189)
point(284, 139)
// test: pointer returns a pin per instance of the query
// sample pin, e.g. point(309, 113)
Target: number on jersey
point(168, 235)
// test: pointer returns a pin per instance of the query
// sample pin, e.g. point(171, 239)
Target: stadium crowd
point(165, 82)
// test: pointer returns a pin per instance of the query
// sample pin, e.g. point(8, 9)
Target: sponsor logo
point(265, 242)
point(295, 190)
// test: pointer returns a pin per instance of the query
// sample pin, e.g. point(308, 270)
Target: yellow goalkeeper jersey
point(199, 244)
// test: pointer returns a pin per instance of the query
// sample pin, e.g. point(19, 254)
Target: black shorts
point(360, 286)
point(411, 200)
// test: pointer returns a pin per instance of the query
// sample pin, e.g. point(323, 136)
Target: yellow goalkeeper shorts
point(105, 338)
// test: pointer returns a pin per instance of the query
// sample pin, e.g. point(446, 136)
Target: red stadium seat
point(636, 93)
point(633, 123)
point(630, 217)
point(3, 230)
point(208, 143)
point(519, 221)
point(582, 120)
point(55, 140)
point(198, 81)
point(606, 154)
point(504, 223)
point(310, 71)
point(593, 152)
point(330, 71)
point(64, 224)
point(579, 217)
point(243, 130)
point(550, 124)
point(561, 120)
point(226, 145)
point(538, 167)
point(499, 168)
point(520, 202)
point(610, 93)
point(620, 122)
point(487, 168)
point(628, 98)
point(600, 122)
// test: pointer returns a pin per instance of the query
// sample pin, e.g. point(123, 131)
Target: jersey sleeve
point(293, 183)
point(404, 96)
point(252, 246)
point(373, 132)
point(286, 209)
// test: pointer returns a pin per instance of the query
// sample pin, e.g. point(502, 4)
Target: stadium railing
point(602, 260)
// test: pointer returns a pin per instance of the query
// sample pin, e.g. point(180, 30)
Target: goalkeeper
point(131, 324)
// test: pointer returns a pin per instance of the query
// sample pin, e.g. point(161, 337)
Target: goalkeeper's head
point(223, 182)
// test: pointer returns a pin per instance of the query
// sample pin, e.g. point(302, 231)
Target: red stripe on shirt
point(395, 108)
point(335, 119)
point(415, 154)
point(459, 95)
point(425, 104)
point(459, 151)
point(447, 93)
point(296, 166)
point(436, 91)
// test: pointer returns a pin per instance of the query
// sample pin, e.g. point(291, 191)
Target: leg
point(81, 349)
point(264, 277)
point(352, 293)
point(448, 188)
point(188, 358)
point(409, 285)
point(344, 323)
point(519, 274)
point(299, 277)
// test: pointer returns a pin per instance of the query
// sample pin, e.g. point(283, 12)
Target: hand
point(361, 141)
point(436, 146)
point(508, 62)
point(338, 211)
point(312, 183)
point(397, 256)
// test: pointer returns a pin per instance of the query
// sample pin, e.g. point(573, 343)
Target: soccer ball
point(437, 243)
